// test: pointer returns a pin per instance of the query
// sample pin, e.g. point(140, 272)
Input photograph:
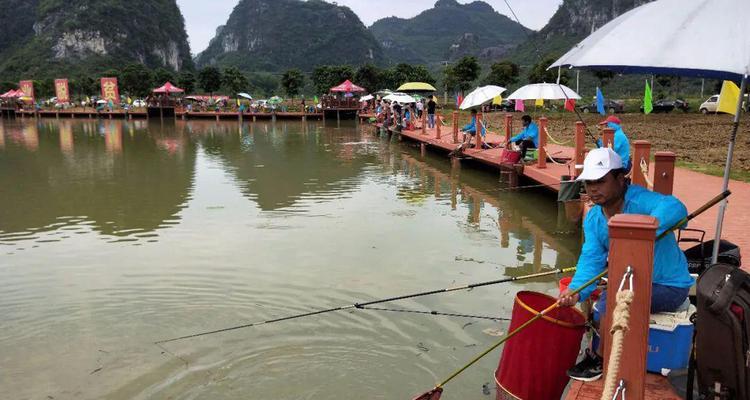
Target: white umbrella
point(481, 95)
point(245, 95)
point(545, 91)
point(709, 39)
point(400, 98)
point(366, 98)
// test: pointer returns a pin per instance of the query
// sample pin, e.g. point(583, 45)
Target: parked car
point(506, 105)
point(712, 104)
point(666, 106)
point(139, 103)
point(611, 106)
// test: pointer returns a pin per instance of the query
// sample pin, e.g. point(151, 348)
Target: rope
point(549, 155)
point(553, 139)
point(620, 325)
point(644, 171)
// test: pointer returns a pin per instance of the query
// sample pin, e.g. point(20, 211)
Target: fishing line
point(444, 314)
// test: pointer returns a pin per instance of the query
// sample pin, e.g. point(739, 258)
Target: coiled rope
point(557, 142)
point(620, 325)
point(644, 171)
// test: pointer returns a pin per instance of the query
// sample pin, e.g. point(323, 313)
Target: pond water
point(117, 234)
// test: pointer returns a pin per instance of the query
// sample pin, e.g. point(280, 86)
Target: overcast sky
point(202, 17)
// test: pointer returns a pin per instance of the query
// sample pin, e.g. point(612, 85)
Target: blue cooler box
point(670, 336)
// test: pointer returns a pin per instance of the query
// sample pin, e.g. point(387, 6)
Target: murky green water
point(116, 234)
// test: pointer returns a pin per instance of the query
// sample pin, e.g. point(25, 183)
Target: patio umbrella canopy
point(367, 98)
point(417, 87)
point(544, 91)
point(402, 98)
point(347, 87)
point(481, 95)
point(245, 95)
point(709, 39)
point(168, 88)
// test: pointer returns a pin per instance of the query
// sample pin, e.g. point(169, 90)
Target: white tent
point(545, 91)
point(481, 95)
point(700, 38)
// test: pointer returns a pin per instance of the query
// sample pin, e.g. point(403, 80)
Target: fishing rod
point(438, 313)
point(435, 393)
point(373, 302)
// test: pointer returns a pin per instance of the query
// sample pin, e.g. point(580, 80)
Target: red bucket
point(510, 156)
point(534, 363)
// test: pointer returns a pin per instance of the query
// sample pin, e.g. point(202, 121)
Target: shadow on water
point(121, 178)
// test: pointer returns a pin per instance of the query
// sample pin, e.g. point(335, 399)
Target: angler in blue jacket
point(604, 177)
point(529, 136)
point(470, 130)
point(622, 144)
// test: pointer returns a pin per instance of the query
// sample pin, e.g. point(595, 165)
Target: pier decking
point(691, 187)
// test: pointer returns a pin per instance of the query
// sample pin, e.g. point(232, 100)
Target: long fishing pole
point(438, 313)
point(373, 302)
point(435, 392)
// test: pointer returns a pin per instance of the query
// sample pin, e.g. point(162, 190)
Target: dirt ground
point(700, 141)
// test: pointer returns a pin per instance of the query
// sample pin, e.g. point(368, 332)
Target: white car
point(139, 103)
point(710, 105)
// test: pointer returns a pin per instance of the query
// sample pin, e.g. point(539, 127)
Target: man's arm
point(520, 136)
point(667, 209)
point(593, 258)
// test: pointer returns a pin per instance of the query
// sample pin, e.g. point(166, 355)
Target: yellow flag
point(130, 101)
point(497, 100)
point(730, 95)
point(539, 103)
point(238, 102)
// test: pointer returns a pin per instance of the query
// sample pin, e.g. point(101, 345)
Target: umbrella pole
point(727, 169)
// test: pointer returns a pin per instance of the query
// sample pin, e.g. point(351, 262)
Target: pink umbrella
point(348, 87)
point(168, 88)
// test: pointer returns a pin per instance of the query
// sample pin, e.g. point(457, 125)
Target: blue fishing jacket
point(472, 127)
point(670, 264)
point(622, 144)
point(530, 132)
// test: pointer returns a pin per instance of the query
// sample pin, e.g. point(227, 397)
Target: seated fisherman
point(604, 178)
point(470, 130)
point(529, 136)
point(622, 144)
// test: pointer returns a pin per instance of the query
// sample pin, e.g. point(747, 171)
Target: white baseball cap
point(598, 163)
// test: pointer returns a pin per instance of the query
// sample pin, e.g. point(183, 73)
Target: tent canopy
point(168, 88)
point(347, 87)
point(709, 39)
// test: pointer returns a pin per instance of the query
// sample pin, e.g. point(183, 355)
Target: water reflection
point(282, 169)
point(89, 175)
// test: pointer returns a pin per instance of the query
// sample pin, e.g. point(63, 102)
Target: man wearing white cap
point(604, 179)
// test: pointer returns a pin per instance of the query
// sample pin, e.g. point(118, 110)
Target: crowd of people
point(403, 116)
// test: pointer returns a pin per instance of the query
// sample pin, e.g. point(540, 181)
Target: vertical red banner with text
point(110, 92)
point(27, 87)
point(61, 91)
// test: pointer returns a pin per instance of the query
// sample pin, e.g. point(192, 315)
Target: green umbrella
point(275, 100)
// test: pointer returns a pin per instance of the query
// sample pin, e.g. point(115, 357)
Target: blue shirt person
point(622, 143)
point(470, 129)
point(604, 178)
point(529, 136)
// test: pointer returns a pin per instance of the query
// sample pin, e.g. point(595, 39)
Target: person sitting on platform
point(529, 136)
point(604, 179)
point(622, 144)
point(470, 130)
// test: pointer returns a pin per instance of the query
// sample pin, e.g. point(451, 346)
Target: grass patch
point(715, 170)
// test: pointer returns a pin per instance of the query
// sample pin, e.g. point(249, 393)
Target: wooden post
point(642, 152)
point(455, 126)
point(631, 244)
point(541, 162)
point(664, 172)
point(479, 127)
point(580, 149)
point(437, 126)
point(424, 123)
point(508, 128)
point(608, 138)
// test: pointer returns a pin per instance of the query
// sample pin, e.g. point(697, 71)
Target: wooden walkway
point(692, 188)
point(180, 114)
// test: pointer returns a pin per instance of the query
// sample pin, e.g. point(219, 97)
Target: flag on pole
point(459, 99)
point(570, 105)
point(520, 106)
point(238, 102)
point(728, 98)
point(539, 103)
point(648, 105)
point(600, 102)
point(316, 100)
point(498, 100)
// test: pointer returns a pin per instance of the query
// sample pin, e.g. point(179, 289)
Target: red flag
point(110, 91)
point(61, 90)
point(570, 105)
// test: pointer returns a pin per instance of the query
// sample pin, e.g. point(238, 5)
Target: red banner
point(27, 87)
point(61, 91)
point(110, 92)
